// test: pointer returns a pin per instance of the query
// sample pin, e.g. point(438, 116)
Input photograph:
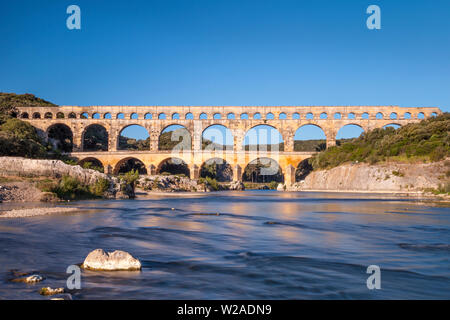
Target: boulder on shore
point(111, 261)
point(237, 185)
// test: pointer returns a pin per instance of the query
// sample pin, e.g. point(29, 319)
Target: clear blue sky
point(227, 52)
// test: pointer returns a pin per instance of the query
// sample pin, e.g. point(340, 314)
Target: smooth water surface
point(238, 245)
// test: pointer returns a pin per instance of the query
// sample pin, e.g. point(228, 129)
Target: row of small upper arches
point(217, 116)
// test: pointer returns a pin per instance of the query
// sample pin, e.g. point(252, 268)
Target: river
point(238, 245)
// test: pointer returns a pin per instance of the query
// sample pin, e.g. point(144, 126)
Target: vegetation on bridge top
point(428, 140)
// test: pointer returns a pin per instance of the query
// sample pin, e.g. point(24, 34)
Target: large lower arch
point(95, 138)
point(128, 164)
point(262, 170)
point(217, 168)
point(174, 166)
point(310, 137)
point(175, 137)
point(133, 137)
point(61, 136)
point(263, 138)
point(91, 163)
point(348, 132)
point(217, 137)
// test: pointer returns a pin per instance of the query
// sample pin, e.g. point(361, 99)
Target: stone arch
point(130, 163)
point(407, 115)
point(244, 116)
point(175, 116)
point(270, 116)
point(36, 115)
point(296, 116)
point(189, 116)
point(134, 116)
point(348, 131)
point(24, 115)
point(393, 116)
point(421, 115)
point(148, 116)
point(310, 137)
point(217, 116)
point(203, 116)
point(96, 115)
point(309, 116)
point(92, 163)
point(231, 116)
point(120, 115)
point(173, 165)
point(72, 115)
point(107, 116)
point(60, 115)
point(351, 116)
point(48, 115)
point(217, 137)
point(179, 137)
point(61, 136)
point(216, 168)
point(392, 125)
point(95, 138)
point(262, 170)
point(379, 116)
point(365, 116)
point(337, 116)
point(257, 116)
point(253, 142)
point(133, 140)
point(282, 116)
point(323, 115)
point(84, 115)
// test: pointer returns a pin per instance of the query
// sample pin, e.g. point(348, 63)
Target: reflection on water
point(238, 245)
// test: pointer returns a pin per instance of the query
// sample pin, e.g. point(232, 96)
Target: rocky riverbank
point(385, 177)
point(21, 180)
point(174, 183)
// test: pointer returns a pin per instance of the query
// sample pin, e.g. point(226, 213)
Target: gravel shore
point(32, 212)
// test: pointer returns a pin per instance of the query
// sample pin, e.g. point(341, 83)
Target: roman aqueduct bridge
point(238, 119)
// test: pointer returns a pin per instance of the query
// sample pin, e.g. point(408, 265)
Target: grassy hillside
point(428, 140)
point(19, 138)
point(10, 101)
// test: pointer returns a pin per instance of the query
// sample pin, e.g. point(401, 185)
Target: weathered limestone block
point(111, 261)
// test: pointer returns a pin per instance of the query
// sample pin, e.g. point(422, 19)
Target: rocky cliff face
point(398, 177)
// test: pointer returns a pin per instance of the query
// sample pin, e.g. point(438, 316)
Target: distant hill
point(428, 140)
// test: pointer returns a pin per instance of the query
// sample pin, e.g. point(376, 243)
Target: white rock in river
point(111, 261)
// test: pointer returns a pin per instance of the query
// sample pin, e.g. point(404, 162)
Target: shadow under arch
point(263, 137)
point(133, 137)
point(92, 163)
point(173, 165)
point(217, 168)
point(263, 170)
point(217, 137)
point(303, 169)
point(95, 138)
point(310, 137)
point(175, 136)
point(61, 137)
point(130, 163)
